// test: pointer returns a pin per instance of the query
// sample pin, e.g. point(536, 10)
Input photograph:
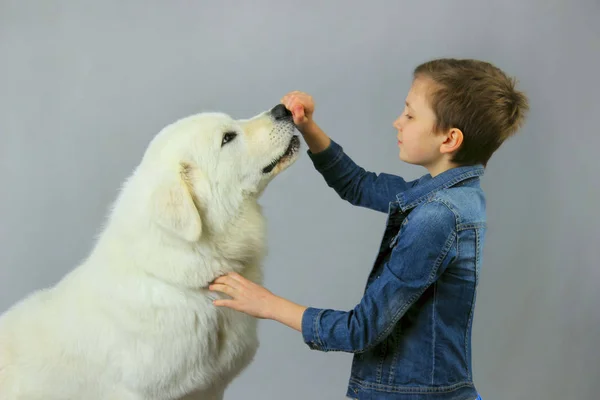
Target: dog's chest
point(196, 344)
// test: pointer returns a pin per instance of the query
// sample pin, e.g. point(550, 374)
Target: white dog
point(135, 320)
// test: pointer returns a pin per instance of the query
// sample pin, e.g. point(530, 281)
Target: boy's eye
point(408, 116)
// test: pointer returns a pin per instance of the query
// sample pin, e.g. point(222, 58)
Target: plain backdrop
point(84, 86)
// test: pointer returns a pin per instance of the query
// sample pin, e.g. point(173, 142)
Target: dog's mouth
point(290, 151)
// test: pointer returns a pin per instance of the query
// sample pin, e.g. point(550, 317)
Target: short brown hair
point(479, 99)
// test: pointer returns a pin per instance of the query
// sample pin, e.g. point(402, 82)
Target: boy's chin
point(403, 157)
point(418, 163)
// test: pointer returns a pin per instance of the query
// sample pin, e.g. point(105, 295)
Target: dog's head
point(204, 167)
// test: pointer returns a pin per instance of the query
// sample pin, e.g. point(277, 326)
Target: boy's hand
point(255, 300)
point(301, 106)
point(246, 296)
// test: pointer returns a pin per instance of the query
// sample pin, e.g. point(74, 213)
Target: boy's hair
point(477, 98)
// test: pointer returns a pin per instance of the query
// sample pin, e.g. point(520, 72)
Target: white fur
point(135, 320)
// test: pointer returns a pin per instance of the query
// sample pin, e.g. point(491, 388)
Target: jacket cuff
point(327, 158)
point(310, 328)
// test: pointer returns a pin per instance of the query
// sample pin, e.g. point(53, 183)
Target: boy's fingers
point(231, 279)
point(236, 280)
point(235, 275)
point(224, 279)
point(219, 287)
point(225, 303)
point(298, 112)
point(295, 102)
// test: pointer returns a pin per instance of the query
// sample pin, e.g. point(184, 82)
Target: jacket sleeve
point(424, 249)
point(355, 185)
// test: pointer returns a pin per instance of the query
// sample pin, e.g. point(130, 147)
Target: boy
point(411, 332)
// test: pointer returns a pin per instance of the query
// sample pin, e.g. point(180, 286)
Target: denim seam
point(457, 245)
point(469, 325)
point(409, 389)
point(393, 366)
point(433, 333)
point(316, 328)
point(452, 182)
point(379, 372)
point(470, 225)
point(451, 208)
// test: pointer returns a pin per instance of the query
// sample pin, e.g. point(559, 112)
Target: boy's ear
point(452, 140)
point(174, 208)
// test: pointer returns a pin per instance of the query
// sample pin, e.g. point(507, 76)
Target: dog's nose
point(280, 112)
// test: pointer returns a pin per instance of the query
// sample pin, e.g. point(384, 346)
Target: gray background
point(85, 85)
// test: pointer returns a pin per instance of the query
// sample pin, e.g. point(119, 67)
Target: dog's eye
point(228, 137)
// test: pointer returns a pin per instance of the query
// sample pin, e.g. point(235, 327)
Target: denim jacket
point(411, 332)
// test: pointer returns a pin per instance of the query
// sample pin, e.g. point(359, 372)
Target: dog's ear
point(174, 207)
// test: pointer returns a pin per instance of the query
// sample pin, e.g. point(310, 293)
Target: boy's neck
point(440, 167)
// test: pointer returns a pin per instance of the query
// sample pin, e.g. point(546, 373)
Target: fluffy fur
point(135, 320)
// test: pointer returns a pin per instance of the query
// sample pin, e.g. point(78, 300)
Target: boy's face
point(417, 142)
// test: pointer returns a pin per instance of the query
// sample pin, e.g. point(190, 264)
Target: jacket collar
point(427, 185)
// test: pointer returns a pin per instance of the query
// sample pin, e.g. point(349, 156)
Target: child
point(411, 332)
